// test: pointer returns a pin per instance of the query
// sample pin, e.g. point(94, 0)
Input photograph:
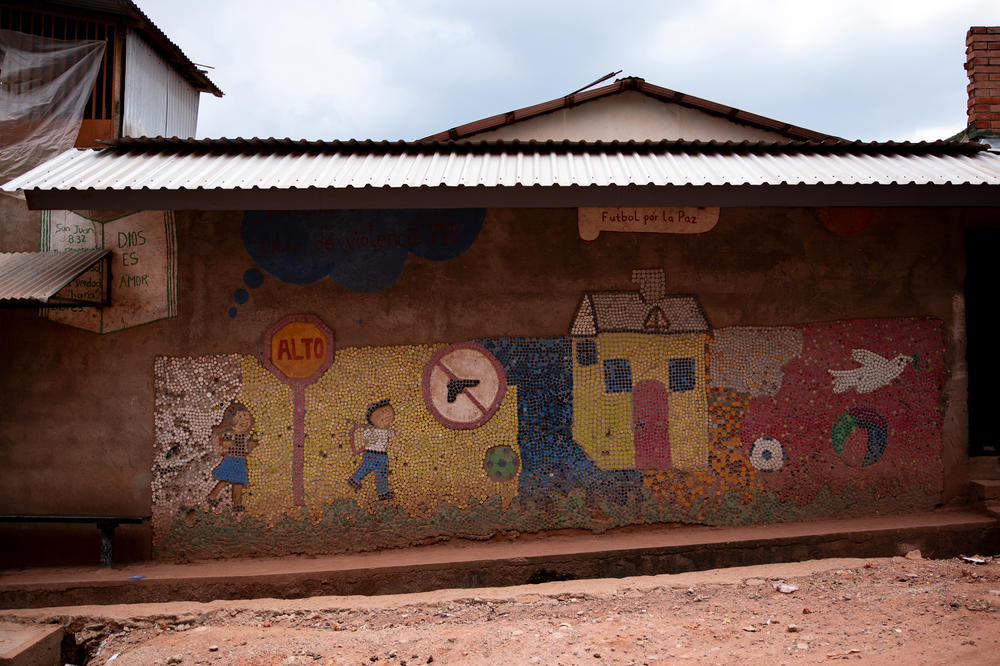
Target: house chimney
point(982, 60)
point(652, 283)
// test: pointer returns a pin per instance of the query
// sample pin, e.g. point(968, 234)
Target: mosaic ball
point(767, 454)
point(501, 463)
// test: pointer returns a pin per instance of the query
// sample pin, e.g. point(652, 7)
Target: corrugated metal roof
point(241, 168)
point(639, 85)
point(38, 276)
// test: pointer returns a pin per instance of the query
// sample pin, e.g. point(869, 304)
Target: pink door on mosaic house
point(651, 425)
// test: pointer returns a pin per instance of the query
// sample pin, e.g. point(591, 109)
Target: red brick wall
point(983, 64)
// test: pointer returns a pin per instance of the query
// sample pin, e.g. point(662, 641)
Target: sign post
point(298, 350)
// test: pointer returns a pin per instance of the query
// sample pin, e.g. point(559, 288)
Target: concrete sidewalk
point(632, 551)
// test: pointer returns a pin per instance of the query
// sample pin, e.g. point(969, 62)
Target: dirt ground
point(879, 611)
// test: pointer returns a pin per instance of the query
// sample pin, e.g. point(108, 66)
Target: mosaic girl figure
point(236, 442)
point(376, 435)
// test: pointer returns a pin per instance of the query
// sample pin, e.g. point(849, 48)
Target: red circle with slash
point(464, 385)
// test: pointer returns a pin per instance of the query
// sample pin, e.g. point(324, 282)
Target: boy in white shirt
point(377, 434)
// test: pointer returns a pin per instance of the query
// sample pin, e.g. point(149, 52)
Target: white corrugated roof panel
point(38, 276)
point(223, 166)
point(104, 169)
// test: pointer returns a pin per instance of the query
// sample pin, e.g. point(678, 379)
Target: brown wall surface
point(77, 431)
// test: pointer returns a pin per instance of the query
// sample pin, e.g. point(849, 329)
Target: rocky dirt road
point(879, 611)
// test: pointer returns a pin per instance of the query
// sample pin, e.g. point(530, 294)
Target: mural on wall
point(143, 275)
point(376, 434)
point(638, 378)
point(839, 422)
point(463, 386)
point(299, 349)
point(236, 442)
point(252, 279)
point(660, 220)
point(642, 413)
point(361, 250)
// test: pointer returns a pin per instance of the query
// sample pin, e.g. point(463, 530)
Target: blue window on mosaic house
point(681, 372)
point(617, 375)
point(586, 352)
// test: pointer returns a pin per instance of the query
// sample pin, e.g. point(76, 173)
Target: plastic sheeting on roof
point(44, 87)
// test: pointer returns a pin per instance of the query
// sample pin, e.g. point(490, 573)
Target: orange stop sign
point(299, 349)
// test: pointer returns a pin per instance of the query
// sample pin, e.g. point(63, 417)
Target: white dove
point(875, 372)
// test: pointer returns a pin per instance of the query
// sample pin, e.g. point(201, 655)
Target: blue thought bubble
point(253, 278)
point(360, 250)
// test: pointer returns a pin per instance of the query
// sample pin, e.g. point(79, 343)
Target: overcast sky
point(403, 69)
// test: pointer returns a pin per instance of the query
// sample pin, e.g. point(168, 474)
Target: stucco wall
point(78, 432)
point(629, 116)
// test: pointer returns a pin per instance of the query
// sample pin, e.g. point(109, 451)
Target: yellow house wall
point(602, 422)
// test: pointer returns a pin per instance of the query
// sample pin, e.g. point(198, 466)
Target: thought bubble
point(252, 278)
point(360, 250)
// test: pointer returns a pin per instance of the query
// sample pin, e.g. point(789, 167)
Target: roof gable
point(626, 312)
point(630, 109)
point(645, 310)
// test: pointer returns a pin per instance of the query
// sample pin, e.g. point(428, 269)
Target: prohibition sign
point(464, 385)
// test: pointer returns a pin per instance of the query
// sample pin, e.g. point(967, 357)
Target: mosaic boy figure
point(236, 441)
point(376, 435)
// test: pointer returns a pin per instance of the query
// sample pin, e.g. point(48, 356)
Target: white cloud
point(330, 70)
point(402, 69)
point(780, 29)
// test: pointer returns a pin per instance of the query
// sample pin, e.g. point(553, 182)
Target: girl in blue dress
point(235, 440)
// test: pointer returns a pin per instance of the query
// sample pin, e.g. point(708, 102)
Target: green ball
point(501, 463)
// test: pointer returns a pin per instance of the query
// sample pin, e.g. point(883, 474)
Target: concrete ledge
point(30, 644)
point(985, 489)
point(636, 551)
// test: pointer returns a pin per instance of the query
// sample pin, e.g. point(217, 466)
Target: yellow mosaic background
point(602, 421)
point(428, 463)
